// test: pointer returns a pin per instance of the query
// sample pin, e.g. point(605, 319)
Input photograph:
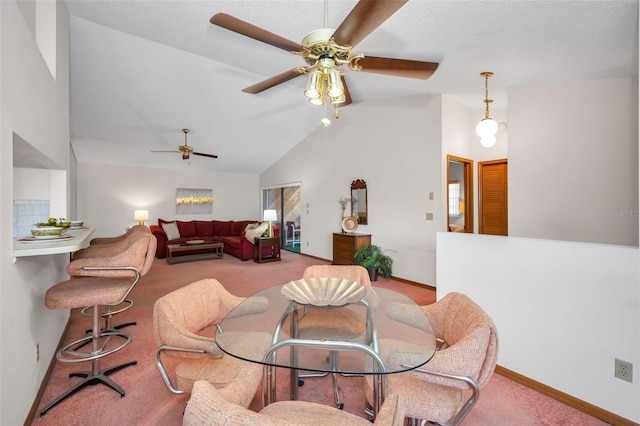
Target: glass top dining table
point(372, 330)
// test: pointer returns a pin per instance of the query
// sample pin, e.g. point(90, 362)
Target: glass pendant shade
point(487, 127)
point(338, 99)
point(488, 141)
point(335, 84)
point(313, 89)
point(317, 101)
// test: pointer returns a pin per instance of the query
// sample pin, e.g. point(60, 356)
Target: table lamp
point(270, 216)
point(141, 216)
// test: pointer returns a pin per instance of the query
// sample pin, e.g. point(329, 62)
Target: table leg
point(293, 353)
point(267, 381)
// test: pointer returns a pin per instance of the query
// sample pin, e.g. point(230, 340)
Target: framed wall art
point(194, 201)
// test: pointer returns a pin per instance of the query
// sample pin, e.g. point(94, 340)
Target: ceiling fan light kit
point(325, 50)
point(487, 127)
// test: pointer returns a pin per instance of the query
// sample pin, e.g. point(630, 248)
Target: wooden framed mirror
point(359, 201)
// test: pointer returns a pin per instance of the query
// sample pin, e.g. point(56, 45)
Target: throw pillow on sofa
point(250, 234)
point(171, 229)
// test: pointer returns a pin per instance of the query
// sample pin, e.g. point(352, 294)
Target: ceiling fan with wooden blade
point(326, 50)
point(187, 150)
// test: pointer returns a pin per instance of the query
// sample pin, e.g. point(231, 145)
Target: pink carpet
point(148, 402)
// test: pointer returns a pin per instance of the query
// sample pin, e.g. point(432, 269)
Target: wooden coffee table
point(213, 251)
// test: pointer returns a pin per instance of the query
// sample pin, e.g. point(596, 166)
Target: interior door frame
point(467, 165)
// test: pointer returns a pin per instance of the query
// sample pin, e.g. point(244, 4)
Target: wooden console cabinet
point(345, 246)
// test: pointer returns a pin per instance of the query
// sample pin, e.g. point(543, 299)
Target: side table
point(261, 242)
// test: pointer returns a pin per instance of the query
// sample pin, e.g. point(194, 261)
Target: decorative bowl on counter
point(47, 231)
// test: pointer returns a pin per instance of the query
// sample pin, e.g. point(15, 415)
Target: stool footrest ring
point(71, 352)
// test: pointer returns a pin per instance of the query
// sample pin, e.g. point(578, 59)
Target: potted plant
point(374, 259)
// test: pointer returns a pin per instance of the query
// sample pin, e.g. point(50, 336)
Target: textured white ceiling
point(141, 69)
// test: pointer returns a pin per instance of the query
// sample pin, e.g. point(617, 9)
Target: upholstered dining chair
point(183, 326)
point(210, 406)
point(464, 362)
point(100, 282)
point(318, 325)
point(110, 253)
point(349, 272)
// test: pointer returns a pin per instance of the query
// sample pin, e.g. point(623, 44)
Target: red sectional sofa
point(230, 233)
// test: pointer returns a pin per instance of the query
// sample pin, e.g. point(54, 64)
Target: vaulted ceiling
point(143, 70)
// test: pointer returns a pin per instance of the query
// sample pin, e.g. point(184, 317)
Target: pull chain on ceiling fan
point(326, 50)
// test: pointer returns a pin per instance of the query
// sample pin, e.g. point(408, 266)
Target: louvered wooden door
point(492, 197)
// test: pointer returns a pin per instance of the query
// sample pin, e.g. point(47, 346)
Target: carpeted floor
point(148, 402)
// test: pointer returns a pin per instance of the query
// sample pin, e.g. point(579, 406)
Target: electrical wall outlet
point(624, 370)
point(429, 216)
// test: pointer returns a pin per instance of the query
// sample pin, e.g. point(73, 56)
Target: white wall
point(564, 310)
point(108, 195)
point(31, 184)
point(394, 146)
point(34, 105)
point(573, 162)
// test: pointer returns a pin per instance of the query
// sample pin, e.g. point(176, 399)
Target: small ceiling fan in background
point(187, 150)
point(326, 50)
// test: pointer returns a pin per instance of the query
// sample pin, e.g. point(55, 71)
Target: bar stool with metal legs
point(113, 282)
point(107, 247)
point(101, 241)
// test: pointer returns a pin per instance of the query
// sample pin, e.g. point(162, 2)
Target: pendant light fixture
point(487, 127)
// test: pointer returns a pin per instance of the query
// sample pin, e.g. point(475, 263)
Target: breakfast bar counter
point(78, 239)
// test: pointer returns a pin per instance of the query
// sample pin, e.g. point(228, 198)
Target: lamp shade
point(270, 215)
point(141, 216)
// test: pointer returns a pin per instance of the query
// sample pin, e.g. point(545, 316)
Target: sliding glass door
point(285, 201)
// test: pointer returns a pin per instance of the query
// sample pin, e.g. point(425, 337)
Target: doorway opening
point(285, 200)
point(459, 194)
